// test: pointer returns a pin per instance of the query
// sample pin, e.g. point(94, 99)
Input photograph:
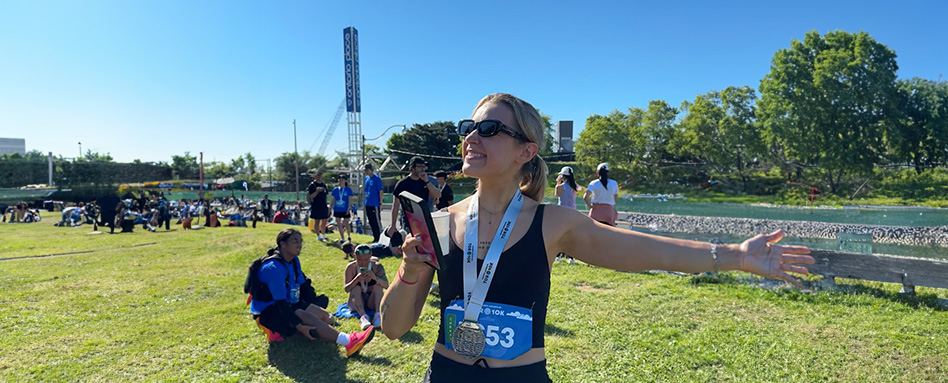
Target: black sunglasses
point(488, 128)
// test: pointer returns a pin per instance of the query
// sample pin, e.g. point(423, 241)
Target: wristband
point(403, 279)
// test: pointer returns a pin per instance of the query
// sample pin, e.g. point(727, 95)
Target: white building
point(13, 145)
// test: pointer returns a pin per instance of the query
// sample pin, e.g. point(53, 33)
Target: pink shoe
point(274, 337)
point(358, 340)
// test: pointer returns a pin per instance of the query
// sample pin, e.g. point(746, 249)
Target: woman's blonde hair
point(533, 174)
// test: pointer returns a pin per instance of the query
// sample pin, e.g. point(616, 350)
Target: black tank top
point(522, 278)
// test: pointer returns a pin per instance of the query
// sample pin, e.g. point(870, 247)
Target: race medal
point(468, 339)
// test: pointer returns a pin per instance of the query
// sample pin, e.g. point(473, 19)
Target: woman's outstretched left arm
point(592, 242)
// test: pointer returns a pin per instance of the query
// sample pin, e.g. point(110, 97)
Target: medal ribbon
point(476, 286)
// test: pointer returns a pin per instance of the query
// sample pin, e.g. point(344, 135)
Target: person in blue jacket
point(286, 313)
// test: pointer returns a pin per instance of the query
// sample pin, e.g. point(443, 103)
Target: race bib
point(508, 330)
point(294, 295)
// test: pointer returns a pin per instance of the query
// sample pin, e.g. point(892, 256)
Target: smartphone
point(421, 225)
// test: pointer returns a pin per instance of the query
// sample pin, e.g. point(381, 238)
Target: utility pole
point(297, 160)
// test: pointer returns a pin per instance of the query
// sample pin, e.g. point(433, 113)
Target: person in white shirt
point(601, 197)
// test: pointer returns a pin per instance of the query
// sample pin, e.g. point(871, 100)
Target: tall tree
point(825, 100)
point(285, 167)
point(184, 167)
point(251, 163)
point(427, 140)
point(720, 129)
point(546, 148)
point(919, 134)
point(609, 139)
point(655, 133)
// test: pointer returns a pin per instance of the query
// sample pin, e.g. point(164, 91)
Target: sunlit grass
point(172, 308)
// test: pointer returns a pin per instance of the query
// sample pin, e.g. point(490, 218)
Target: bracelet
point(403, 279)
point(714, 255)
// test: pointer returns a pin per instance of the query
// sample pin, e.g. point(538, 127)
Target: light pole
point(365, 160)
point(404, 127)
point(80, 150)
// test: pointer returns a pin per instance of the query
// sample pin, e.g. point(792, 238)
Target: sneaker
point(357, 340)
point(572, 261)
point(377, 320)
point(364, 320)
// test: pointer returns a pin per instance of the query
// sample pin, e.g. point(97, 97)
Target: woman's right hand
point(413, 261)
point(304, 329)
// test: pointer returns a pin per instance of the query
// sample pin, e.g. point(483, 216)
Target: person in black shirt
point(266, 205)
point(447, 195)
point(318, 210)
point(416, 183)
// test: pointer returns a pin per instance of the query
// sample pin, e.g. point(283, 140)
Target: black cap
point(367, 167)
point(417, 161)
point(441, 174)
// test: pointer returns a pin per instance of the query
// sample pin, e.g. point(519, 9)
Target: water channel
point(874, 215)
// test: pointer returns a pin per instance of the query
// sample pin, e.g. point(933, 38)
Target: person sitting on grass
point(287, 313)
point(365, 283)
point(282, 217)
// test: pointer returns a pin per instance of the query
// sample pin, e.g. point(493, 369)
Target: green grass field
point(170, 306)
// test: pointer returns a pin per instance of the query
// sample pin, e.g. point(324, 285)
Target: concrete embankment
point(900, 235)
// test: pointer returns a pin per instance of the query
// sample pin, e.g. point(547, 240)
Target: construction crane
point(331, 128)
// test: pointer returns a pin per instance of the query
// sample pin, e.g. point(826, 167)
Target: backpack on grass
point(259, 290)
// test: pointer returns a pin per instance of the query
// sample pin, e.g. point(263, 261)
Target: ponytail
point(604, 178)
point(533, 181)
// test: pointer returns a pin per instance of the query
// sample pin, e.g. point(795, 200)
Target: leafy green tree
point(919, 134)
point(655, 133)
point(825, 101)
point(548, 131)
point(217, 169)
point(720, 129)
point(185, 167)
point(251, 163)
point(609, 139)
point(95, 156)
point(285, 167)
point(427, 140)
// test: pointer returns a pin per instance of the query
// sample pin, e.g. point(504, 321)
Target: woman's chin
point(472, 170)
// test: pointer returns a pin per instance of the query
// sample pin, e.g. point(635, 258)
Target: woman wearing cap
point(601, 196)
point(495, 283)
point(365, 282)
point(565, 190)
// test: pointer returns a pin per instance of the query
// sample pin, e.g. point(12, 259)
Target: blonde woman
point(496, 280)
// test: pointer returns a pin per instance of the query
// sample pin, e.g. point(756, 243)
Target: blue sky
point(149, 79)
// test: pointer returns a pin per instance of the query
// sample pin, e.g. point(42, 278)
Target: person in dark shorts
point(318, 209)
point(493, 314)
point(415, 183)
point(341, 198)
point(287, 313)
point(366, 283)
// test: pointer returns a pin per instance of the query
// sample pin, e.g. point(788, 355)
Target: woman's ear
point(527, 152)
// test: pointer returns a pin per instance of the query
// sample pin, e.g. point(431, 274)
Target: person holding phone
point(495, 283)
point(365, 282)
point(416, 183)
